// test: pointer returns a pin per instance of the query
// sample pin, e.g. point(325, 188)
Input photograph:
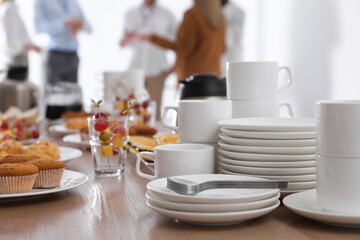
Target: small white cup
point(338, 128)
point(197, 119)
point(337, 184)
point(259, 108)
point(254, 80)
point(178, 159)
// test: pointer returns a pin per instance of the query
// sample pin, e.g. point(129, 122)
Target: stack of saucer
point(272, 148)
point(212, 207)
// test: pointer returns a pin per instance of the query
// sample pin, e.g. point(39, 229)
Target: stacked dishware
point(215, 206)
point(272, 148)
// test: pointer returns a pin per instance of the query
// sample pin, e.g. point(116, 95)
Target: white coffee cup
point(259, 108)
point(197, 119)
point(254, 80)
point(337, 184)
point(338, 128)
point(178, 159)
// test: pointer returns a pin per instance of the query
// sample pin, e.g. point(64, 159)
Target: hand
point(128, 37)
point(28, 47)
point(75, 25)
point(144, 37)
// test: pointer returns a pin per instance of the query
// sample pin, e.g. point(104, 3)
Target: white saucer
point(304, 204)
point(219, 218)
point(61, 128)
point(215, 207)
point(268, 142)
point(267, 150)
point(266, 157)
point(158, 186)
point(68, 153)
point(270, 124)
point(76, 139)
point(269, 135)
point(291, 164)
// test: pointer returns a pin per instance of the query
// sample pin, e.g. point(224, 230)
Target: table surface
point(115, 208)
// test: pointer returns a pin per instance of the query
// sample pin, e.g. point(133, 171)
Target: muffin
point(18, 158)
point(44, 148)
point(50, 172)
point(11, 146)
point(17, 177)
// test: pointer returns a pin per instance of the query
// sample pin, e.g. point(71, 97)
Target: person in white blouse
point(234, 30)
point(149, 18)
point(14, 41)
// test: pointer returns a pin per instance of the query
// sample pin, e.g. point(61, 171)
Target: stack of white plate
point(212, 207)
point(272, 148)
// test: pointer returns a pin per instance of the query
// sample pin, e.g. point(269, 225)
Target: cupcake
point(50, 172)
point(18, 158)
point(17, 177)
point(44, 148)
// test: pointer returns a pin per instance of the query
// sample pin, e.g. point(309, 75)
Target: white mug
point(254, 80)
point(337, 184)
point(178, 159)
point(259, 108)
point(197, 119)
point(338, 128)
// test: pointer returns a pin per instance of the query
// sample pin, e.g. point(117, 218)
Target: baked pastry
point(72, 114)
point(44, 148)
point(18, 158)
point(166, 138)
point(50, 172)
point(17, 177)
point(3, 154)
point(142, 130)
point(76, 123)
point(11, 146)
point(137, 144)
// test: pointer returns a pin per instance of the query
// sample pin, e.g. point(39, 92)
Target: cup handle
point(164, 115)
point(289, 79)
point(288, 107)
point(138, 162)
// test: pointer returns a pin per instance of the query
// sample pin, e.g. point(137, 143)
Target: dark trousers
point(62, 67)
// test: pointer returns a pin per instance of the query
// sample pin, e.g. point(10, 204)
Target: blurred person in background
point(61, 20)
point(234, 29)
point(150, 18)
point(14, 41)
point(200, 40)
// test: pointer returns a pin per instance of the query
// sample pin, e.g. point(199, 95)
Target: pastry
point(76, 123)
point(11, 146)
point(166, 138)
point(137, 144)
point(141, 130)
point(44, 148)
point(18, 158)
point(50, 172)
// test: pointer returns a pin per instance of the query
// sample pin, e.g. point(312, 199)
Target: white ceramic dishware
point(69, 153)
point(268, 135)
point(178, 159)
point(266, 157)
point(197, 119)
point(260, 108)
point(76, 140)
point(255, 80)
point(62, 129)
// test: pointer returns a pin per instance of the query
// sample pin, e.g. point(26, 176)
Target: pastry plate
point(70, 179)
point(266, 157)
point(76, 139)
point(61, 128)
point(304, 203)
point(269, 135)
point(69, 153)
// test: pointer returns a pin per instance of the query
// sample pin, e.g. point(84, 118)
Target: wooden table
point(114, 208)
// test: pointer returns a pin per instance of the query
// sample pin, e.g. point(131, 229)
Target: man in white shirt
point(234, 30)
point(149, 18)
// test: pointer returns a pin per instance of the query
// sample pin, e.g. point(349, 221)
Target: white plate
point(269, 135)
point(304, 204)
point(218, 218)
point(216, 207)
point(214, 195)
point(268, 142)
point(291, 178)
point(268, 171)
point(266, 157)
point(301, 185)
point(70, 179)
point(60, 128)
point(76, 139)
point(292, 164)
point(268, 150)
point(68, 153)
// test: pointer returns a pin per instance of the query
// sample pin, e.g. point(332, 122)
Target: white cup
point(254, 80)
point(337, 182)
point(338, 128)
point(178, 159)
point(197, 119)
point(259, 108)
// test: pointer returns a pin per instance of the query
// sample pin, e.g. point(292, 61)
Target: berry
point(120, 131)
point(115, 151)
point(20, 136)
point(136, 106)
point(104, 136)
point(131, 96)
point(101, 124)
point(100, 115)
point(4, 126)
point(19, 123)
point(19, 130)
point(146, 104)
point(34, 134)
point(7, 136)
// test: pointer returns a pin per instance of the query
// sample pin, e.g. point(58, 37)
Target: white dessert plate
point(291, 178)
point(268, 150)
point(70, 179)
point(61, 128)
point(158, 186)
point(219, 218)
point(268, 171)
point(305, 204)
point(268, 142)
point(215, 207)
point(269, 135)
point(301, 185)
point(291, 164)
point(69, 153)
point(76, 139)
point(266, 157)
